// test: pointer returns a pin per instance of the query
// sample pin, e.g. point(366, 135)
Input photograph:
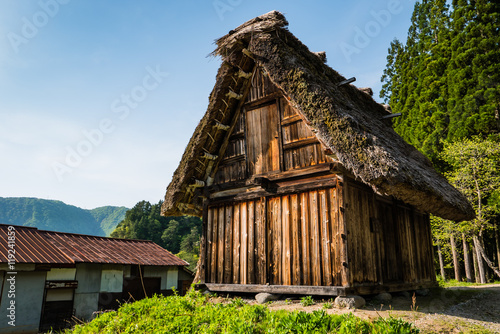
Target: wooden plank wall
point(262, 132)
point(387, 242)
point(233, 164)
point(261, 86)
point(391, 260)
point(305, 239)
point(362, 250)
point(236, 235)
point(294, 239)
point(300, 146)
point(414, 245)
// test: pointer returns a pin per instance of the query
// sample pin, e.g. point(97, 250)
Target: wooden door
point(263, 139)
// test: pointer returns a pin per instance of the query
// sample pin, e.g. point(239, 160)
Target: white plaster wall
point(61, 274)
point(111, 280)
point(54, 295)
point(172, 278)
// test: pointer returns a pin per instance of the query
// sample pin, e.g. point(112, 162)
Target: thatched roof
point(345, 119)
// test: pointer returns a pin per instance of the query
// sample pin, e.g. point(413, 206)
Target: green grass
point(453, 282)
point(195, 313)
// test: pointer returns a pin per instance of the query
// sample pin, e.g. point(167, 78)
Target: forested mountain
point(445, 81)
point(179, 235)
point(57, 216)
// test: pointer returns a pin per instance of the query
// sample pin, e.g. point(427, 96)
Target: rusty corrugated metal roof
point(39, 246)
point(30, 246)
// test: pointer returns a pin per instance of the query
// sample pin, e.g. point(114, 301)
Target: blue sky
point(98, 99)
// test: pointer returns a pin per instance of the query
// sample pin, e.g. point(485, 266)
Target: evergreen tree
point(474, 69)
point(392, 77)
point(432, 84)
point(446, 79)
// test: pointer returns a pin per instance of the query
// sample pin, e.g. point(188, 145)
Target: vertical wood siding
point(360, 236)
point(300, 147)
point(293, 239)
point(270, 137)
point(263, 140)
point(387, 242)
point(261, 86)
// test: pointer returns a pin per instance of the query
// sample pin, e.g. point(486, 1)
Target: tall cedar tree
point(446, 79)
point(474, 69)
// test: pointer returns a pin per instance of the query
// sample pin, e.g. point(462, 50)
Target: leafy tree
point(170, 236)
point(476, 173)
point(179, 235)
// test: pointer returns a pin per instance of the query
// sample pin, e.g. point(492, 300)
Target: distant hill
point(58, 216)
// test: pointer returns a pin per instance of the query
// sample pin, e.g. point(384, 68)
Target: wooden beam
point(221, 126)
point(307, 171)
point(345, 82)
point(262, 102)
point(300, 143)
point(367, 289)
point(293, 119)
point(392, 115)
point(279, 289)
point(236, 158)
point(246, 193)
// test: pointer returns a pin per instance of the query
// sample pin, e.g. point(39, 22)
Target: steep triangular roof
point(344, 119)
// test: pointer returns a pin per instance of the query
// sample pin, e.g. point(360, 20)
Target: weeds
point(414, 306)
point(307, 301)
point(328, 305)
point(238, 302)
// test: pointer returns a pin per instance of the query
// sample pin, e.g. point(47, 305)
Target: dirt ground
point(474, 309)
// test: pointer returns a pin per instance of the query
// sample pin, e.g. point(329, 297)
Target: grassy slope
point(195, 313)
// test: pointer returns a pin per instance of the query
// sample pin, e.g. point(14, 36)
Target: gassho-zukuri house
point(56, 276)
point(302, 184)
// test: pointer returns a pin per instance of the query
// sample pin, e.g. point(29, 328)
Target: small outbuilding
point(303, 185)
point(50, 277)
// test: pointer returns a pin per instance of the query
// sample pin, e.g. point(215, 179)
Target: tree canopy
point(179, 235)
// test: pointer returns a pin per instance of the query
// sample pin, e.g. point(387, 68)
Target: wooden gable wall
point(270, 137)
